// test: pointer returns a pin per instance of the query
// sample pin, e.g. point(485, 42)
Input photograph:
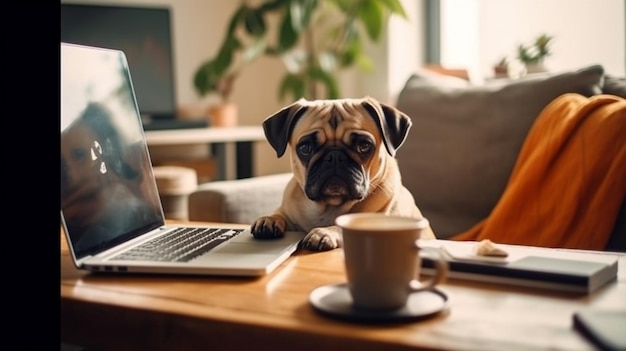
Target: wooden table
point(273, 313)
point(235, 164)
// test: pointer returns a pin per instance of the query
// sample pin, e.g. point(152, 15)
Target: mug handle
point(441, 268)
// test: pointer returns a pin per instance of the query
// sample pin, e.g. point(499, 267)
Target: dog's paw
point(322, 239)
point(268, 227)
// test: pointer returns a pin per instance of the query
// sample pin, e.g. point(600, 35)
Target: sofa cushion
point(614, 86)
point(464, 141)
point(237, 201)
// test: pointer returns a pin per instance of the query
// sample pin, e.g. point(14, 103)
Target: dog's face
point(339, 148)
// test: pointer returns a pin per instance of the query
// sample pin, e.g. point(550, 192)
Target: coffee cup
point(382, 259)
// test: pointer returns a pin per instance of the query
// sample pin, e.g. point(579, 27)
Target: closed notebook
point(553, 269)
point(605, 328)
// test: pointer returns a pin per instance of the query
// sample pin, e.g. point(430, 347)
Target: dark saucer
point(335, 301)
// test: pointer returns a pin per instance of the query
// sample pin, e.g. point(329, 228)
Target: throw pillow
point(464, 141)
point(614, 86)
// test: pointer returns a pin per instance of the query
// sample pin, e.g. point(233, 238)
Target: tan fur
point(348, 127)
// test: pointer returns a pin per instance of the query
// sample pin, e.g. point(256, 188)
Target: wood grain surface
point(156, 312)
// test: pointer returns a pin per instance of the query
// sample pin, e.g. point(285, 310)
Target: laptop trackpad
point(243, 248)
point(246, 244)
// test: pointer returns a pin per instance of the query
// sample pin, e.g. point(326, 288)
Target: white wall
point(399, 53)
point(459, 34)
point(477, 33)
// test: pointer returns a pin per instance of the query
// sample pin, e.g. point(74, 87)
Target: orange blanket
point(569, 180)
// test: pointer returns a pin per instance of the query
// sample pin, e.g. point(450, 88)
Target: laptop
point(110, 207)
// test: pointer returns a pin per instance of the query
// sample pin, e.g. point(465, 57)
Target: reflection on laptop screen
point(100, 190)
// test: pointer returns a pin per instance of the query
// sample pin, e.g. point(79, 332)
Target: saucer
point(335, 301)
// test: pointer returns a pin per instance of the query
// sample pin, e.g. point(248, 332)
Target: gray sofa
point(457, 158)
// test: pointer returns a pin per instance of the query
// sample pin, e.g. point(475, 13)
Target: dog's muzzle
point(336, 175)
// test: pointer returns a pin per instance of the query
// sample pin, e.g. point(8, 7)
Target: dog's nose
point(335, 157)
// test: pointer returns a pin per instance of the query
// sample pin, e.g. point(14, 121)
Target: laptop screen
point(108, 191)
point(144, 34)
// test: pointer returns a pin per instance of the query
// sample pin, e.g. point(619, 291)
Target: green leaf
point(199, 80)
point(239, 16)
point(205, 78)
point(327, 79)
point(288, 36)
point(395, 7)
point(255, 23)
point(294, 60)
point(372, 15)
point(225, 57)
point(327, 60)
point(309, 8)
point(291, 84)
point(348, 56)
point(274, 5)
point(296, 14)
point(254, 50)
point(364, 63)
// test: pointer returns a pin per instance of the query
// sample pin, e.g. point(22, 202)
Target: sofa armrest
point(237, 201)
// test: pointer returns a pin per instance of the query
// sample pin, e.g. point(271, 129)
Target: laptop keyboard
point(180, 245)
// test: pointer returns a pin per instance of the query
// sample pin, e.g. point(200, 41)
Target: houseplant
point(501, 68)
point(313, 38)
point(533, 56)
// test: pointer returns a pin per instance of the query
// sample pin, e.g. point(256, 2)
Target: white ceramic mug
point(382, 259)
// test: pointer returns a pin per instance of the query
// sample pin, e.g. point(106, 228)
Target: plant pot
point(537, 67)
point(501, 71)
point(223, 115)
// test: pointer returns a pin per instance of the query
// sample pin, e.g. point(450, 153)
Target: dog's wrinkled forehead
point(335, 117)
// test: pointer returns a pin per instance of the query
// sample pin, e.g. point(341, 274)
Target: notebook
point(572, 271)
point(110, 203)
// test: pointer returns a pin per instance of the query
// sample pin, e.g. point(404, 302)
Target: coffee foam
point(381, 222)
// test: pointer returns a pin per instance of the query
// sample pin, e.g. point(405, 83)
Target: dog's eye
point(364, 147)
point(305, 149)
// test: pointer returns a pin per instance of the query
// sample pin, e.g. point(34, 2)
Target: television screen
point(144, 34)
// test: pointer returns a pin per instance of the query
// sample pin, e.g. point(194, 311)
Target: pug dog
point(343, 161)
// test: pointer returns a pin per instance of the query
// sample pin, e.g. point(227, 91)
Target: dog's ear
point(393, 124)
point(279, 126)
